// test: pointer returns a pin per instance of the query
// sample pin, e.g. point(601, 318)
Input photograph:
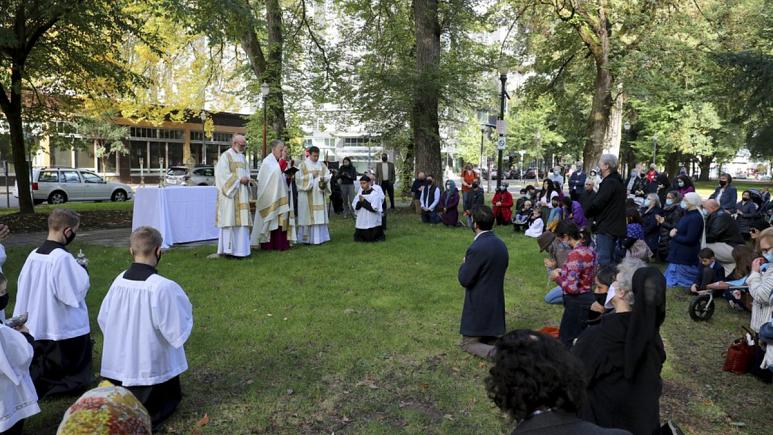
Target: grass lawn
point(361, 338)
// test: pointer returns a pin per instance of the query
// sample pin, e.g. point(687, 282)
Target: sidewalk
point(114, 238)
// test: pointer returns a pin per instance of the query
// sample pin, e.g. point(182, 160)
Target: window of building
point(157, 152)
point(61, 157)
point(108, 164)
point(175, 154)
point(197, 153)
point(84, 158)
point(138, 150)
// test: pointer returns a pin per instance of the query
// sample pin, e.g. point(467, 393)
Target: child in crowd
point(604, 279)
point(536, 224)
point(521, 220)
point(711, 271)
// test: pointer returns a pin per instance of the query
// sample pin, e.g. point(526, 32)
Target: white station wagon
point(59, 185)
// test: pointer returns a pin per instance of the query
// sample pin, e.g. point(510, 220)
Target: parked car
point(533, 173)
point(514, 174)
point(182, 176)
point(60, 185)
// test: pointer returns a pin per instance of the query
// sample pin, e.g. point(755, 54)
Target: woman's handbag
point(739, 355)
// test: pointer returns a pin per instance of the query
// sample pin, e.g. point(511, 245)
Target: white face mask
point(610, 294)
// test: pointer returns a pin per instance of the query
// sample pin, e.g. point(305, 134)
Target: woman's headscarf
point(649, 312)
point(693, 200)
point(106, 410)
point(450, 192)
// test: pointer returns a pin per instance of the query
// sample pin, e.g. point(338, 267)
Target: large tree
point(53, 48)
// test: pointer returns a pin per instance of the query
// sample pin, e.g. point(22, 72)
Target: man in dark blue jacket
point(482, 274)
point(726, 193)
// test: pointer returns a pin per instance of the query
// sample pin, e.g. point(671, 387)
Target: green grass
point(77, 206)
point(362, 338)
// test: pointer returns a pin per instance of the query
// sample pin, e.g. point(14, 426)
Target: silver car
point(59, 185)
point(182, 176)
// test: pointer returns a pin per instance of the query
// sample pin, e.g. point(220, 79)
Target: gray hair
point(610, 160)
point(654, 199)
point(275, 143)
point(625, 272)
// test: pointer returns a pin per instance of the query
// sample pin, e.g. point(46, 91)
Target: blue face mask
point(646, 202)
point(669, 201)
point(683, 205)
point(768, 257)
point(680, 183)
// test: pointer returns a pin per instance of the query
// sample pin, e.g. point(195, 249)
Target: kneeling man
point(52, 290)
point(145, 319)
point(367, 207)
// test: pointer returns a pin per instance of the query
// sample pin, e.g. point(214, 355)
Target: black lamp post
point(203, 143)
point(500, 144)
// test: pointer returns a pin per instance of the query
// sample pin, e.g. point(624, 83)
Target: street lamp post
point(264, 90)
point(627, 128)
point(203, 143)
point(484, 124)
point(500, 147)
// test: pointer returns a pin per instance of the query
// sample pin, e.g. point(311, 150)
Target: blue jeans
point(555, 296)
point(605, 249)
point(430, 217)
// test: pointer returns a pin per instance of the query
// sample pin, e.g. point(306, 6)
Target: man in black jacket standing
point(577, 182)
point(607, 210)
point(722, 234)
point(482, 274)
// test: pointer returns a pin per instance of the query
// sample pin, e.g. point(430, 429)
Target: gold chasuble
point(313, 183)
point(233, 204)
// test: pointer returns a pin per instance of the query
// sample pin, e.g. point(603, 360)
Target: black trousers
point(389, 188)
point(62, 367)
point(575, 318)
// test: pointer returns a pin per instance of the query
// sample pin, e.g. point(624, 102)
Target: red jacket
point(505, 210)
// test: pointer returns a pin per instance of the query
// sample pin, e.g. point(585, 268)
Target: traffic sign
point(501, 143)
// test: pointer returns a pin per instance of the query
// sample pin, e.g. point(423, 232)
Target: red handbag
point(738, 356)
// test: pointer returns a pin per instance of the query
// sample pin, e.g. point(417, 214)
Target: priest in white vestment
point(274, 226)
point(232, 177)
point(313, 182)
point(52, 290)
point(145, 320)
point(18, 399)
point(367, 206)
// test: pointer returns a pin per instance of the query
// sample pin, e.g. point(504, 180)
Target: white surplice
point(233, 204)
point(18, 399)
point(273, 206)
point(145, 324)
point(52, 290)
point(313, 184)
point(367, 219)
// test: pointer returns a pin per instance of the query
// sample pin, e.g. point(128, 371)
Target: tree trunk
point(274, 69)
point(424, 117)
point(613, 136)
point(407, 173)
point(602, 98)
point(13, 114)
point(705, 166)
point(672, 163)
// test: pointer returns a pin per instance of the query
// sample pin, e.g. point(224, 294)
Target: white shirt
point(425, 201)
point(145, 324)
point(18, 399)
point(52, 289)
point(385, 172)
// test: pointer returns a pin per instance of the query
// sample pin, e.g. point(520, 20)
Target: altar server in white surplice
point(18, 399)
point(146, 319)
point(232, 177)
point(313, 182)
point(367, 209)
point(274, 226)
point(52, 289)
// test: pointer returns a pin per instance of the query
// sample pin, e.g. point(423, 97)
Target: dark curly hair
point(534, 371)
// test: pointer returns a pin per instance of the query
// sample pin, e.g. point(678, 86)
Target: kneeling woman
point(683, 264)
point(575, 279)
point(367, 209)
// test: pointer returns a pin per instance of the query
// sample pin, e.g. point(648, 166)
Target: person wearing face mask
point(418, 185)
point(667, 219)
point(747, 215)
point(475, 198)
point(52, 290)
point(576, 182)
point(683, 265)
point(649, 222)
point(623, 355)
point(449, 203)
point(430, 199)
point(576, 280)
point(556, 177)
point(18, 399)
point(346, 177)
point(503, 204)
point(385, 177)
point(145, 321)
point(634, 184)
point(684, 185)
point(726, 193)
point(721, 234)
point(761, 283)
